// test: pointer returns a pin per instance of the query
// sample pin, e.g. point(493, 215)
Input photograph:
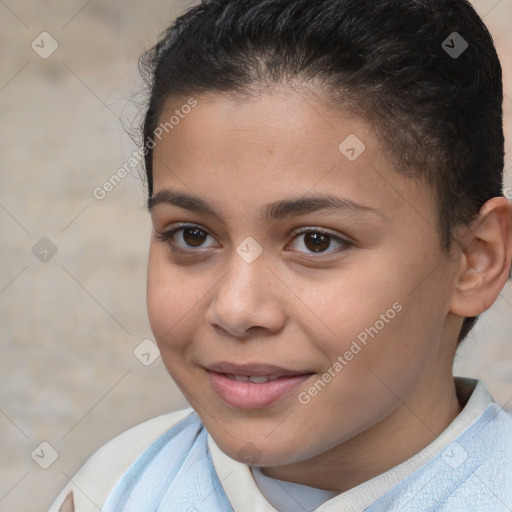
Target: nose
point(247, 301)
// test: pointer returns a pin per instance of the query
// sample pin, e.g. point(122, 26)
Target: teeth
point(255, 379)
point(259, 380)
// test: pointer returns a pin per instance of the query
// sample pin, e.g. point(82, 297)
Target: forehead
point(278, 144)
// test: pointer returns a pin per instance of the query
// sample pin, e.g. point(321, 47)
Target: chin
point(258, 451)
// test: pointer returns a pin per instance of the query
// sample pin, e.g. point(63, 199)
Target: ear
point(485, 259)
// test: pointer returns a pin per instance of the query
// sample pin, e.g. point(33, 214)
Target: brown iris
point(317, 242)
point(194, 237)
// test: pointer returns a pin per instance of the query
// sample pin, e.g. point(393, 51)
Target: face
point(286, 251)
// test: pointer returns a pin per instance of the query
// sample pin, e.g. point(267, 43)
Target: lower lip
point(248, 395)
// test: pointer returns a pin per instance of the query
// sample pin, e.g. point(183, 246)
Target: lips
point(253, 369)
point(254, 386)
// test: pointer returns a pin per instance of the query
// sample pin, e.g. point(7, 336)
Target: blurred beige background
point(73, 321)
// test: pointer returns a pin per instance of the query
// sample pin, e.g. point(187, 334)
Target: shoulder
point(93, 482)
point(477, 467)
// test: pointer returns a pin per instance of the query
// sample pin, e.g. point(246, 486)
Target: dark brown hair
point(438, 114)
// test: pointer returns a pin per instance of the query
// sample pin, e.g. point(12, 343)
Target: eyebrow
point(272, 211)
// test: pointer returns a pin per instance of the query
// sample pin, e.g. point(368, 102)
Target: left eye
point(319, 241)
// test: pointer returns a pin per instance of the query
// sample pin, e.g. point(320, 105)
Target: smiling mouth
point(254, 386)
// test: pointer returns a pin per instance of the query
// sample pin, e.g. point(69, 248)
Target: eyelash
point(168, 237)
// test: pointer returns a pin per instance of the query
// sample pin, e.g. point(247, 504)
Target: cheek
point(351, 303)
point(371, 319)
point(172, 304)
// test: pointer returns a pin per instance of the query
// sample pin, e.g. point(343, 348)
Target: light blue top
point(472, 474)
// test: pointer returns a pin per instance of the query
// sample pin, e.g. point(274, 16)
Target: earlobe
point(486, 254)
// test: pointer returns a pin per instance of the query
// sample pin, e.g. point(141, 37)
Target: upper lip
point(252, 369)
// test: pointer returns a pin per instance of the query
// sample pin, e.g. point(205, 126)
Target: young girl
point(325, 186)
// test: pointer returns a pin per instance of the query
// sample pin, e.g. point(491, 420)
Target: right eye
point(184, 238)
